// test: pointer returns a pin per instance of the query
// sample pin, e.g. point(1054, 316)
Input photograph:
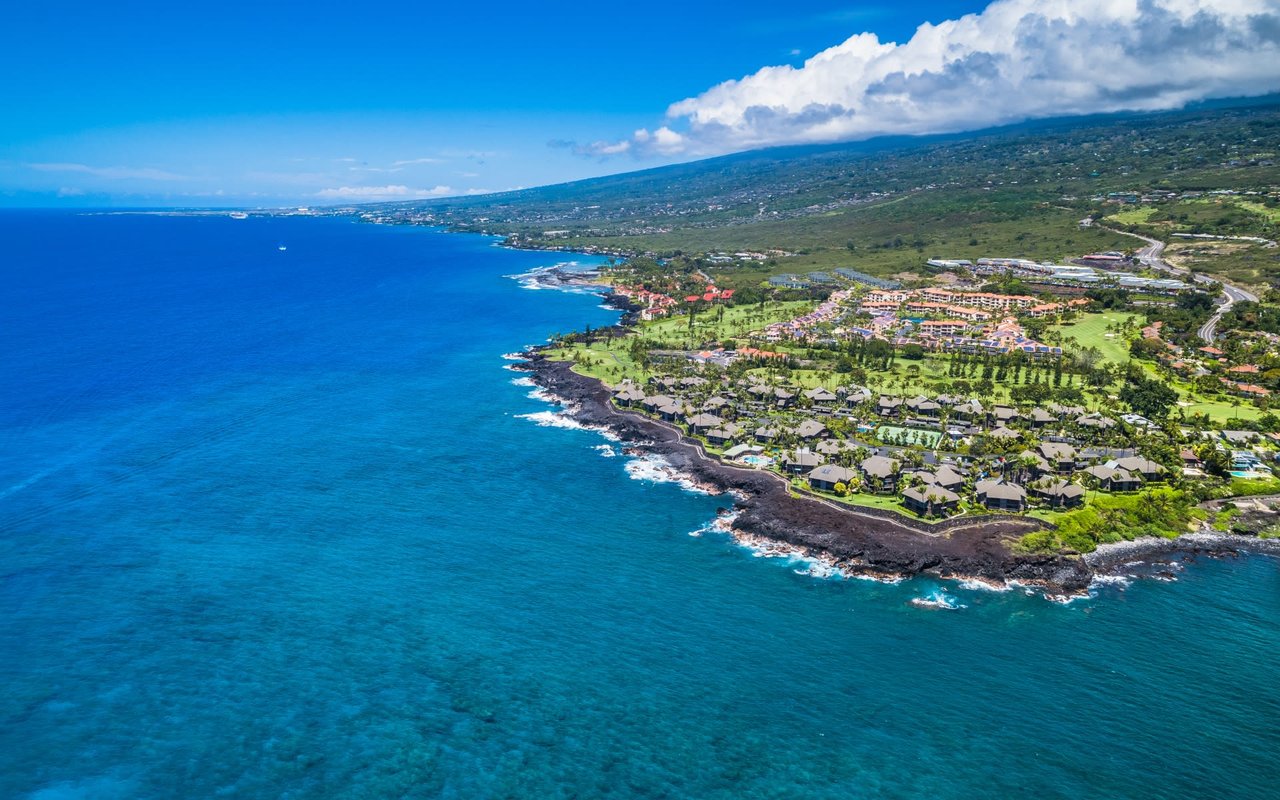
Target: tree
point(1148, 397)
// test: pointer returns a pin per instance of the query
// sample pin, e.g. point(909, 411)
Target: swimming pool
point(757, 461)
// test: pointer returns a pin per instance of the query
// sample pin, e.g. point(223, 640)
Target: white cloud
point(1016, 60)
point(373, 193)
point(411, 161)
point(112, 173)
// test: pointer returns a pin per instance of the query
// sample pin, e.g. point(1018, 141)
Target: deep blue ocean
point(273, 524)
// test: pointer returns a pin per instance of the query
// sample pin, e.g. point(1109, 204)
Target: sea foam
point(656, 469)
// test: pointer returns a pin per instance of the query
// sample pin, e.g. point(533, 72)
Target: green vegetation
point(1108, 333)
point(719, 323)
point(884, 206)
point(1162, 511)
point(1244, 487)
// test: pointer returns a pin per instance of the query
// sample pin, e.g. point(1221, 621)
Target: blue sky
point(138, 103)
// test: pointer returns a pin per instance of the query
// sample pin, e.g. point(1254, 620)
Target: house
point(925, 406)
point(880, 474)
point(766, 434)
point(1039, 418)
point(701, 423)
point(1058, 493)
point(833, 447)
point(888, 406)
point(783, 398)
point(1003, 434)
point(1003, 415)
point(1148, 469)
point(802, 461)
point(811, 429)
point(672, 411)
point(1095, 421)
point(1238, 438)
point(856, 394)
point(946, 477)
point(828, 475)
point(1113, 479)
point(1060, 456)
point(821, 396)
point(999, 495)
point(628, 396)
point(930, 500)
point(714, 404)
point(1037, 462)
point(657, 401)
point(970, 410)
point(723, 435)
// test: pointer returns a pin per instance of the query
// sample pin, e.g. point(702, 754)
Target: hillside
point(883, 204)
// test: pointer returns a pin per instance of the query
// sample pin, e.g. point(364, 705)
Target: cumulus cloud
point(373, 193)
point(1016, 60)
point(111, 173)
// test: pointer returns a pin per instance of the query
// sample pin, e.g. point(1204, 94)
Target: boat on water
point(239, 215)
point(282, 247)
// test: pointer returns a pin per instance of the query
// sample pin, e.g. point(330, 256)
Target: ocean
point(279, 523)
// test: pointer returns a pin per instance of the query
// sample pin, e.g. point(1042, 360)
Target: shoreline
point(857, 543)
point(767, 518)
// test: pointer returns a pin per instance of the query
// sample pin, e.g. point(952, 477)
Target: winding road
point(1151, 257)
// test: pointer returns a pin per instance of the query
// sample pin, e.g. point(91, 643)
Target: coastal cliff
point(854, 540)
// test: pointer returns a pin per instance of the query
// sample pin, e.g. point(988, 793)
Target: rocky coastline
point(854, 542)
point(767, 516)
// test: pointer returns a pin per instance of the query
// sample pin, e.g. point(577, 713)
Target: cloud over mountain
point(1016, 60)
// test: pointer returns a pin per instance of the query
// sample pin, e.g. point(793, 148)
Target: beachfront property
point(958, 454)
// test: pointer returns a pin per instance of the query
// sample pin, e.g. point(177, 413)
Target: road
point(1151, 257)
point(1231, 295)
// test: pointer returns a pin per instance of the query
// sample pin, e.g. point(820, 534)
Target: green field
point(1138, 215)
point(710, 326)
point(1103, 332)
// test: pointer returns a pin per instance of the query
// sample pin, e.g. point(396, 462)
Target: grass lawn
point(737, 322)
point(1220, 410)
point(1133, 216)
point(610, 363)
point(882, 501)
point(1090, 330)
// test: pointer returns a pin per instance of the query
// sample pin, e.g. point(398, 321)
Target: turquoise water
point(272, 524)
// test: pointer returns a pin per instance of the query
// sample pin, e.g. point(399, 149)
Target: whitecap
point(938, 599)
point(553, 419)
point(656, 469)
point(523, 382)
point(605, 451)
point(980, 585)
point(1121, 581)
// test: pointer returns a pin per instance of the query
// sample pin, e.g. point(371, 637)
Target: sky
point(282, 104)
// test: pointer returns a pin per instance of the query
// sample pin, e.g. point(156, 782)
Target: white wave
point(515, 356)
point(877, 578)
point(553, 419)
point(606, 451)
point(560, 419)
point(523, 382)
point(938, 599)
point(1099, 581)
point(979, 585)
point(656, 469)
point(545, 396)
